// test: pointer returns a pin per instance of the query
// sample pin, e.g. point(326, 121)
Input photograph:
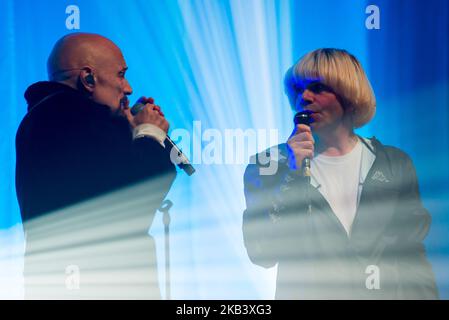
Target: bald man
point(83, 164)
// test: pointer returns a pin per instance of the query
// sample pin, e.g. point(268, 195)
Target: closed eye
point(318, 87)
point(122, 72)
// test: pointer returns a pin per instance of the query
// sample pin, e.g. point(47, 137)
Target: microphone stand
point(164, 208)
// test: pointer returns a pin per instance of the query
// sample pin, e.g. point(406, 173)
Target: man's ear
point(87, 79)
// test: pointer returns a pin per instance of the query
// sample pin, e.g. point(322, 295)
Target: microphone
point(304, 117)
point(175, 153)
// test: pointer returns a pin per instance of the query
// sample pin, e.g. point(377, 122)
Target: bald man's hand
point(151, 114)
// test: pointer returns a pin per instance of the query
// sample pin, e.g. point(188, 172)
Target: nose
point(127, 89)
point(306, 98)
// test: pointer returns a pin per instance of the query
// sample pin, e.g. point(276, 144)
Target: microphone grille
point(303, 117)
point(137, 108)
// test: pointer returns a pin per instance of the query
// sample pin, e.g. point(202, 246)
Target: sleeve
point(152, 166)
point(151, 131)
point(128, 160)
point(270, 214)
point(138, 164)
point(412, 224)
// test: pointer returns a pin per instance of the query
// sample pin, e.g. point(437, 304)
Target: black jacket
point(316, 259)
point(69, 151)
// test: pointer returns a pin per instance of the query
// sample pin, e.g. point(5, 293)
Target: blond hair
point(342, 72)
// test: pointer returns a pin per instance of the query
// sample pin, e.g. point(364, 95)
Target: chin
point(116, 110)
point(316, 126)
point(119, 112)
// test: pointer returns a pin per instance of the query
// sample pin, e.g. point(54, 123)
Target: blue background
point(222, 63)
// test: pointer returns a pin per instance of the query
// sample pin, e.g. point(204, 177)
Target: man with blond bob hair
point(354, 228)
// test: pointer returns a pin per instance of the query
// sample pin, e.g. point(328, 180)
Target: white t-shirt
point(338, 181)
